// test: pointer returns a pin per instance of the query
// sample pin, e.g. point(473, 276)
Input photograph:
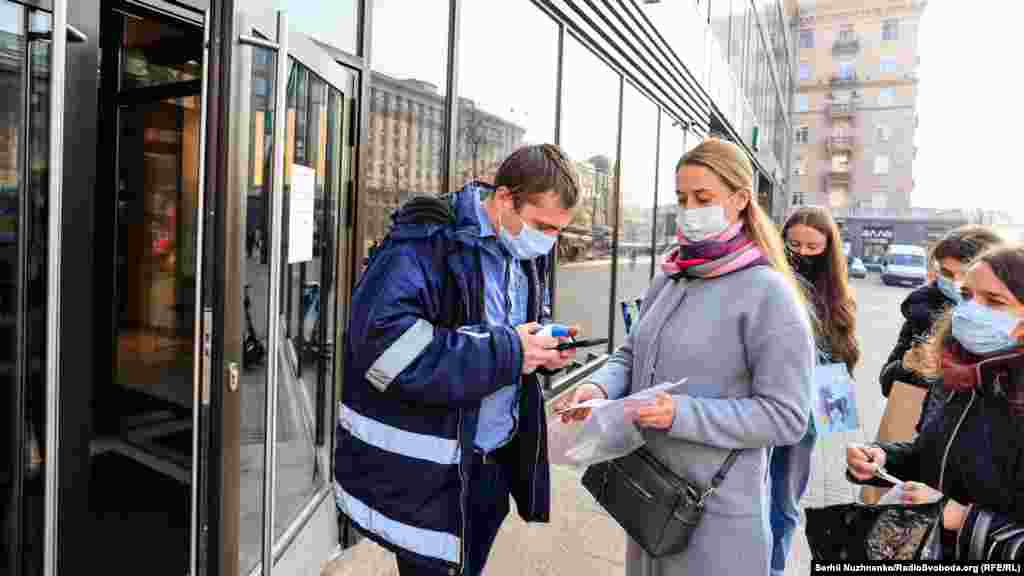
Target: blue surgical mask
point(529, 244)
point(982, 330)
point(950, 289)
point(699, 224)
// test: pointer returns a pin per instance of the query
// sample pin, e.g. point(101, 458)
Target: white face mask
point(530, 243)
point(699, 224)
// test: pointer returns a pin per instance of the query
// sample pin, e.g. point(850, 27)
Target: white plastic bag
point(895, 496)
point(608, 433)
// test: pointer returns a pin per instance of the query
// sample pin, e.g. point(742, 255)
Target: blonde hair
point(731, 164)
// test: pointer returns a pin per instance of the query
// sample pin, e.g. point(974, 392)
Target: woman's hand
point(953, 514)
point(582, 393)
point(660, 415)
point(863, 461)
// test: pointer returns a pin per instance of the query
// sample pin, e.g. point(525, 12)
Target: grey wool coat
point(744, 342)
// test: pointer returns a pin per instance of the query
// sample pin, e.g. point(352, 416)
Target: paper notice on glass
point(301, 214)
point(608, 433)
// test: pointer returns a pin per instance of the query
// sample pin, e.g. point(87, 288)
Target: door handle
point(233, 376)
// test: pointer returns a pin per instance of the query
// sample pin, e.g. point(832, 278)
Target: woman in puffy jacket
point(971, 451)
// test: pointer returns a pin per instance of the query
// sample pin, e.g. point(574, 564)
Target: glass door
point(288, 155)
point(24, 137)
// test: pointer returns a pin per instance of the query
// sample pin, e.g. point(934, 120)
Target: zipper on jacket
point(952, 438)
point(462, 502)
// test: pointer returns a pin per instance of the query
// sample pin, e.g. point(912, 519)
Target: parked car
point(857, 268)
point(905, 264)
point(873, 263)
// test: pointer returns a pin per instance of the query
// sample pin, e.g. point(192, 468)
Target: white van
point(905, 264)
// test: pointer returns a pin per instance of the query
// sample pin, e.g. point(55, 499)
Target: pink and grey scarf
point(719, 255)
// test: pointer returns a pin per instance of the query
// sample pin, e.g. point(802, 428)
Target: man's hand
point(864, 460)
point(660, 415)
point(565, 357)
point(537, 350)
point(582, 393)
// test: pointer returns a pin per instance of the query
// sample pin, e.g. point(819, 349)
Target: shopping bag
point(835, 399)
point(902, 411)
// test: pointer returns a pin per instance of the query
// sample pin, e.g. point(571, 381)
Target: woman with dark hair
point(814, 247)
point(971, 451)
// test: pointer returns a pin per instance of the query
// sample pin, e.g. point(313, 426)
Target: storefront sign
point(301, 214)
point(877, 234)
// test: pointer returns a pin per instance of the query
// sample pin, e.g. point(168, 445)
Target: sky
point(970, 106)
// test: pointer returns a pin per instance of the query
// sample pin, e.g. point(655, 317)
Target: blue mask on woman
point(949, 289)
point(982, 330)
point(529, 244)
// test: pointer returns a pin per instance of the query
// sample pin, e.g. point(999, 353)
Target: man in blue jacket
point(442, 412)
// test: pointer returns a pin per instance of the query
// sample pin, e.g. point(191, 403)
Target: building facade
point(190, 189)
point(855, 103)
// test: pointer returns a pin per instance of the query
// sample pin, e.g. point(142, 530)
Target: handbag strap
point(719, 476)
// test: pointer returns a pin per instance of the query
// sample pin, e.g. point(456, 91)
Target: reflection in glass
point(405, 133)
point(589, 135)
point(636, 189)
point(673, 141)
point(306, 349)
point(333, 23)
point(503, 107)
point(160, 52)
point(255, 302)
point(24, 134)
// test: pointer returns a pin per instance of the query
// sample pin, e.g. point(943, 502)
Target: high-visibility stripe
point(400, 354)
point(398, 441)
point(429, 543)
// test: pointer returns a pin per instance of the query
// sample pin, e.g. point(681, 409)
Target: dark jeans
point(488, 507)
point(790, 468)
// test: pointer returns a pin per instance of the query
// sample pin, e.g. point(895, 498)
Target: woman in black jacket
point(923, 306)
point(972, 451)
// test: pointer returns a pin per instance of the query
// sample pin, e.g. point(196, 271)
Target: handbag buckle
point(704, 495)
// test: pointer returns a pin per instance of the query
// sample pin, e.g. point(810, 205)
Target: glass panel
point(255, 304)
point(160, 52)
point(584, 266)
point(636, 188)
point(671, 149)
point(145, 417)
point(22, 442)
point(503, 107)
point(334, 23)
point(303, 362)
point(405, 134)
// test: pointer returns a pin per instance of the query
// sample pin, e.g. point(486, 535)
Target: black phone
point(581, 344)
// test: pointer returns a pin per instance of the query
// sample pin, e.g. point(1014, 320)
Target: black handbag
point(859, 532)
point(656, 507)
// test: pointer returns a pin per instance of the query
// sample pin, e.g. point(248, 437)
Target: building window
point(807, 39)
point(884, 133)
point(802, 135)
point(805, 71)
point(887, 66)
point(891, 29)
point(886, 96)
point(803, 102)
point(879, 200)
point(881, 164)
point(847, 70)
point(800, 166)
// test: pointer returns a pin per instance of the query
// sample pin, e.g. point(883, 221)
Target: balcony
point(837, 110)
point(838, 175)
point(840, 81)
point(839, 144)
point(845, 46)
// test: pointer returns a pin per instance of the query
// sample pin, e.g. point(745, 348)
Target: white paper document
point(301, 214)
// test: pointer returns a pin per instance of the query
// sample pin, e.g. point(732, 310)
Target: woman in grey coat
point(726, 314)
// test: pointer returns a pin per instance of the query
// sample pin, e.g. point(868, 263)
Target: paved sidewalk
point(581, 539)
